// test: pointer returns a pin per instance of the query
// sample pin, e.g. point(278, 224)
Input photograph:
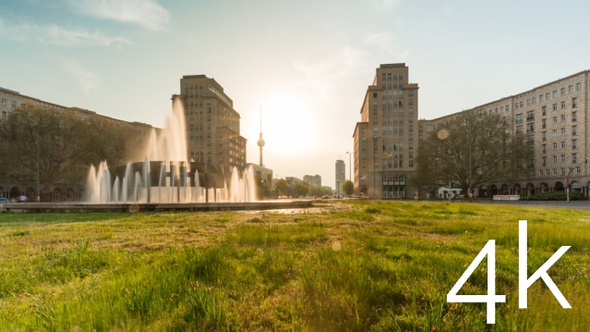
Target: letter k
point(523, 282)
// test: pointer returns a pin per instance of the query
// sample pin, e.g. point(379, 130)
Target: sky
point(304, 65)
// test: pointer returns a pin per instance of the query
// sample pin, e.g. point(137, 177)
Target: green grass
point(364, 266)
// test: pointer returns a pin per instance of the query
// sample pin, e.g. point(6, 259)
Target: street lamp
point(567, 179)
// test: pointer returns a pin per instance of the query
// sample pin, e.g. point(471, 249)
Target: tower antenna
point(260, 139)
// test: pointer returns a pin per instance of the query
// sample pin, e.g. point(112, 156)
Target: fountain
point(164, 181)
point(165, 175)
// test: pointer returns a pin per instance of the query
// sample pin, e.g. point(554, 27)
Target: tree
point(300, 189)
point(111, 141)
point(44, 144)
point(49, 146)
point(470, 150)
point(348, 187)
point(282, 187)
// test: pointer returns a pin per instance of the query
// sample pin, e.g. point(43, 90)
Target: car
point(4, 200)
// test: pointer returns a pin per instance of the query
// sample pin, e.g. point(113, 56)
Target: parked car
point(4, 200)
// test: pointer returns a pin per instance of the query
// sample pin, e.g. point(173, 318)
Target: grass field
point(358, 266)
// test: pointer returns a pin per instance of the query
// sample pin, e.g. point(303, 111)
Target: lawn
point(353, 266)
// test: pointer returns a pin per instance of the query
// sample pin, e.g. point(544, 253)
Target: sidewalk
point(585, 205)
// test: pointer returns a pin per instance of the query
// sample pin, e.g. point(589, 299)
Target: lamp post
point(567, 179)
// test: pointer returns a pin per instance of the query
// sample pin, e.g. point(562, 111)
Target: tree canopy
point(348, 188)
point(50, 146)
point(471, 149)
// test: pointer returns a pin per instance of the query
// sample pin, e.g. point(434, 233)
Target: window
point(554, 145)
point(543, 123)
point(573, 130)
point(578, 86)
point(544, 135)
point(554, 119)
point(554, 133)
point(555, 106)
point(544, 110)
point(562, 131)
point(530, 127)
point(554, 159)
point(562, 104)
point(544, 148)
point(574, 102)
point(518, 118)
point(574, 157)
point(518, 130)
point(574, 116)
point(544, 162)
point(562, 144)
point(563, 91)
point(574, 144)
point(562, 117)
point(530, 115)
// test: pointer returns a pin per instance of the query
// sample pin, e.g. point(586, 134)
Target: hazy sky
point(305, 63)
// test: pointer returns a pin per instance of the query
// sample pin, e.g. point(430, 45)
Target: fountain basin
point(35, 207)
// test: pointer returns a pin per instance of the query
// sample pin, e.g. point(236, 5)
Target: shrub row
point(554, 196)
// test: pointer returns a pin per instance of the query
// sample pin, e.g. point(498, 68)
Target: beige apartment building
point(554, 117)
point(213, 126)
point(386, 138)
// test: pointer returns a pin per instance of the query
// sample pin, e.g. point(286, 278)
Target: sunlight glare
point(287, 124)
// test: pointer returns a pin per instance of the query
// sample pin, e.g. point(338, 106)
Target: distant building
point(291, 180)
point(340, 173)
point(314, 180)
point(212, 124)
point(386, 138)
point(264, 180)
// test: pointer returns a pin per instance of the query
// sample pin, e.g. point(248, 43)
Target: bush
point(554, 196)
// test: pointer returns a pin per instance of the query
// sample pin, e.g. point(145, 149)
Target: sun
point(287, 124)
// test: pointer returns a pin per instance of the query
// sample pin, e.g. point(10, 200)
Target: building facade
point(314, 180)
point(386, 138)
point(554, 119)
point(213, 126)
point(340, 176)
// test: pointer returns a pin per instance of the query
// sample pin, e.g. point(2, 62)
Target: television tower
point(260, 139)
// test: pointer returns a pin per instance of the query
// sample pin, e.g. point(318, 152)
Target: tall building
point(340, 173)
point(385, 140)
point(213, 126)
point(554, 118)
